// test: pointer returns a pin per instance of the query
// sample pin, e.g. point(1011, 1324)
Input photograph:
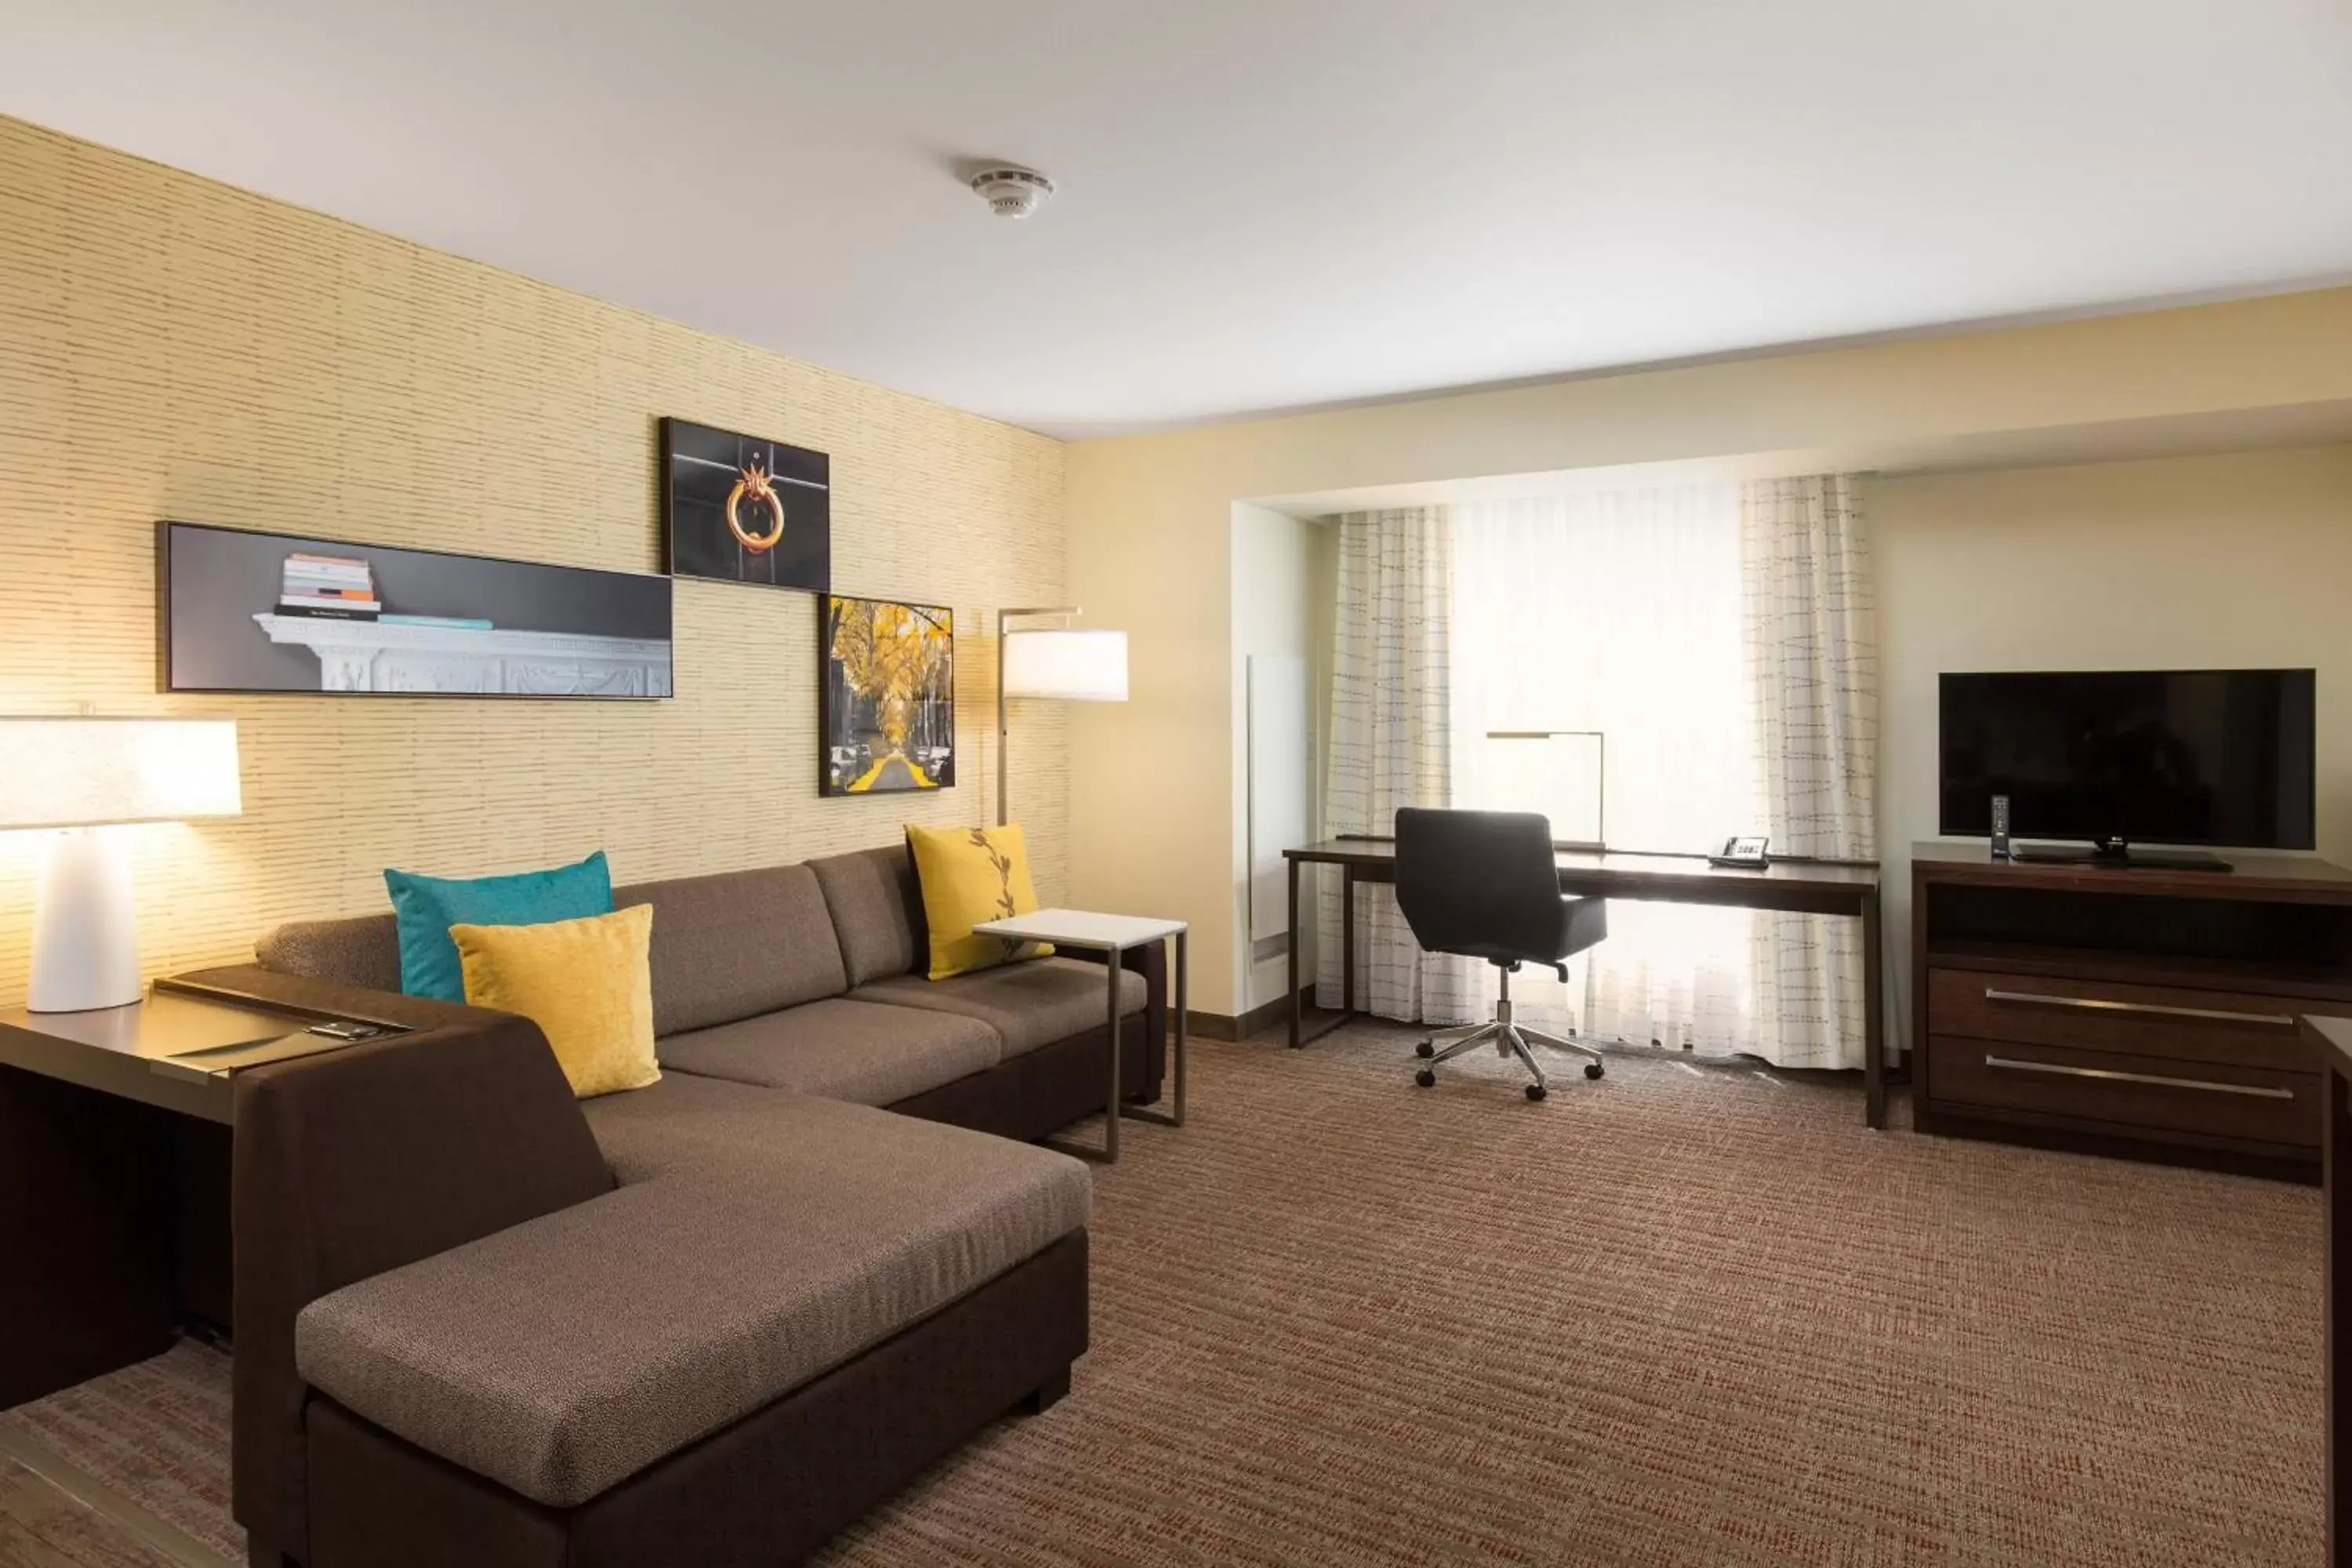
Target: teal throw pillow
point(425, 908)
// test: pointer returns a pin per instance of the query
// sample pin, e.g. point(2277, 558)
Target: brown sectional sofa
point(711, 1321)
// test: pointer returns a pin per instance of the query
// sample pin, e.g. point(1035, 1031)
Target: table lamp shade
point(1071, 665)
point(83, 771)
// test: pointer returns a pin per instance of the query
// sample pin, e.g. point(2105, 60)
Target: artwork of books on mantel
point(251, 612)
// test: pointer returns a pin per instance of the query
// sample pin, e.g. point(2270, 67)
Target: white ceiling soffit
point(1263, 204)
point(2114, 441)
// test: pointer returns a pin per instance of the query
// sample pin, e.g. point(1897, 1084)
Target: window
point(1617, 612)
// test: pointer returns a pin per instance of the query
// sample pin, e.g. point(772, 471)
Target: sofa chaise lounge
point(711, 1321)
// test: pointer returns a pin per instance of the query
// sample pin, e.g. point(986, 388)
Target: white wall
point(2241, 559)
point(1273, 613)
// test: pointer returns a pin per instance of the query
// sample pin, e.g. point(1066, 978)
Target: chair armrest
point(354, 1162)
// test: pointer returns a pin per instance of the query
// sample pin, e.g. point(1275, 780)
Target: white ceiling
point(1267, 204)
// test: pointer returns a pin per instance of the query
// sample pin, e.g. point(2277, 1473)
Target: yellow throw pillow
point(970, 875)
point(587, 984)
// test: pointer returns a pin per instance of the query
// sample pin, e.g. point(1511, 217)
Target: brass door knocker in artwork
point(756, 485)
point(723, 511)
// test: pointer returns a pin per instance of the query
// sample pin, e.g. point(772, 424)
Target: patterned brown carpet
point(154, 1438)
point(1683, 1316)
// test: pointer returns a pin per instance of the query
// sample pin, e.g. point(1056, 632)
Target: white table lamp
point(1059, 663)
point(83, 775)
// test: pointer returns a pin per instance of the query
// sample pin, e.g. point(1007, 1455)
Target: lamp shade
point(1075, 666)
point(82, 772)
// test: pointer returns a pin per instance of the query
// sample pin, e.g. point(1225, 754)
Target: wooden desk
point(1791, 886)
point(2332, 1038)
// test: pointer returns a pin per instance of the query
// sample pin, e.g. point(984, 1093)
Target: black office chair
point(1484, 884)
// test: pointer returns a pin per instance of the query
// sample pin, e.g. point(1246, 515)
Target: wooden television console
point(2145, 1012)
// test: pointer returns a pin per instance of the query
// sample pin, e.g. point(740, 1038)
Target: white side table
point(1110, 935)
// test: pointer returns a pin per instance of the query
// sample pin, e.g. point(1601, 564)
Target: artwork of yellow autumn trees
point(889, 696)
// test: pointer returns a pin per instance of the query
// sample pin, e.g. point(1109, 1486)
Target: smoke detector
point(1011, 190)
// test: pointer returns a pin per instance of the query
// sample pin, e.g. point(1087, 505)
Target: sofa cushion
point(584, 983)
point(427, 907)
point(858, 1051)
point(738, 943)
point(969, 876)
point(771, 1237)
point(679, 1124)
point(878, 910)
point(362, 951)
point(1028, 1004)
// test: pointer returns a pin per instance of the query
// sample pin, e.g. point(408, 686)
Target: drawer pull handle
point(2100, 1004)
point(2259, 1091)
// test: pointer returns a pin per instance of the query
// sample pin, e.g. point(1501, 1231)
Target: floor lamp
point(85, 774)
point(1060, 663)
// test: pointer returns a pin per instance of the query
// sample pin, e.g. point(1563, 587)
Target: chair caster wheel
point(1534, 1091)
point(1592, 1069)
point(1424, 1078)
point(1424, 1050)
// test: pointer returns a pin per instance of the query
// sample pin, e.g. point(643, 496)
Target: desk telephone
point(1745, 853)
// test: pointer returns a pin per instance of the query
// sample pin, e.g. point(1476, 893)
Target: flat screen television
point(2217, 757)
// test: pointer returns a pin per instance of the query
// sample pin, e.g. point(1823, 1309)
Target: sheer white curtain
point(1619, 611)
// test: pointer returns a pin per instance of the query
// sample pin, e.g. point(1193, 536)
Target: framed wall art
point(245, 611)
point(887, 703)
point(740, 509)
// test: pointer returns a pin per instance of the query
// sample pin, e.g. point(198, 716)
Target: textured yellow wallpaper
point(173, 347)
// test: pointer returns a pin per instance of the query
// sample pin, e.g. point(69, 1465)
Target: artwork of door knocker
point(753, 486)
point(743, 509)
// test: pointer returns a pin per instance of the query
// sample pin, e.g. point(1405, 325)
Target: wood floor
point(42, 1527)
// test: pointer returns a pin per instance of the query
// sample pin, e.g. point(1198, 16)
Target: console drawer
point(2222, 1099)
point(2239, 1028)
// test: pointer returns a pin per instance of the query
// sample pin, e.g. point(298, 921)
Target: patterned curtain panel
point(1812, 662)
point(1389, 746)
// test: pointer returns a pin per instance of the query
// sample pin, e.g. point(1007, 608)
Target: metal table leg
point(1113, 963)
point(1346, 940)
point(1106, 1153)
point(1873, 1029)
point(1300, 1036)
point(1183, 1031)
point(1290, 941)
point(1184, 1013)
